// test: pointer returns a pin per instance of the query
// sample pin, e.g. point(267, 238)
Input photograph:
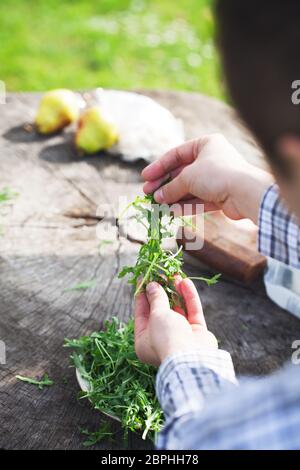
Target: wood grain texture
point(50, 244)
point(227, 246)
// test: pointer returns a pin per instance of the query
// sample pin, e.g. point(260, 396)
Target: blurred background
point(166, 44)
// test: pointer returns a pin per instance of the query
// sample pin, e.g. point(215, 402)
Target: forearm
point(188, 381)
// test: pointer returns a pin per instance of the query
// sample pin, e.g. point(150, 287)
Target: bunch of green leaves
point(154, 263)
point(118, 383)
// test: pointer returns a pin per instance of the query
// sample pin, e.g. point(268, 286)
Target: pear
point(57, 109)
point(95, 131)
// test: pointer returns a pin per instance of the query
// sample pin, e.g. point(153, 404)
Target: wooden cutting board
point(229, 247)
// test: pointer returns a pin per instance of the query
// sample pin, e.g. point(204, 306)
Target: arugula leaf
point(119, 384)
point(154, 263)
point(45, 381)
point(209, 280)
point(7, 194)
point(82, 285)
point(104, 433)
point(102, 244)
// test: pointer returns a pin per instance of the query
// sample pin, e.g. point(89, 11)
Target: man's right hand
point(208, 170)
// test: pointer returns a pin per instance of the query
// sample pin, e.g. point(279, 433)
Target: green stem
point(146, 275)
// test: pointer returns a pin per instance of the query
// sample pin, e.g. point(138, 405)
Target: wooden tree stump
point(50, 244)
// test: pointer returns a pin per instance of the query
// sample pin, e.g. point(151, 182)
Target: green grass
point(110, 43)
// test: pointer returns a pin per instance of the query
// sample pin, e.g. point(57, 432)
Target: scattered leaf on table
point(82, 286)
point(45, 381)
point(103, 433)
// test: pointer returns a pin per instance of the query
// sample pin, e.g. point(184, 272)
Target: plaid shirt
point(204, 406)
point(279, 234)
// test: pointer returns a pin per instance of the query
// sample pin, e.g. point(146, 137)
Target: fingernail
point(159, 196)
point(187, 282)
point(151, 287)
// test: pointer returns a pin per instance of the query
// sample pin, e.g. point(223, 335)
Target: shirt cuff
point(185, 380)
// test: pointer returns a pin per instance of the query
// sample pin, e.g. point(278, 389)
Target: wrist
point(182, 348)
point(247, 187)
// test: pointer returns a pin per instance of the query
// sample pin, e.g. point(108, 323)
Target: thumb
point(178, 188)
point(157, 298)
point(173, 191)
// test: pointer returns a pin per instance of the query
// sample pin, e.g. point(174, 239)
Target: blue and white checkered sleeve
point(186, 381)
point(279, 233)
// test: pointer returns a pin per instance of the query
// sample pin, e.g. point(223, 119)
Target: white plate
point(146, 129)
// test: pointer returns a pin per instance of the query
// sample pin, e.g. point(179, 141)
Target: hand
point(161, 331)
point(210, 171)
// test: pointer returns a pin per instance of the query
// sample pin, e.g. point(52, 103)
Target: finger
point(192, 302)
point(178, 189)
point(177, 283)
point(180, 310)
point(181, 155)
point(151, 186)
point(192, 206)
point(141, 313)
point(157, 298)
